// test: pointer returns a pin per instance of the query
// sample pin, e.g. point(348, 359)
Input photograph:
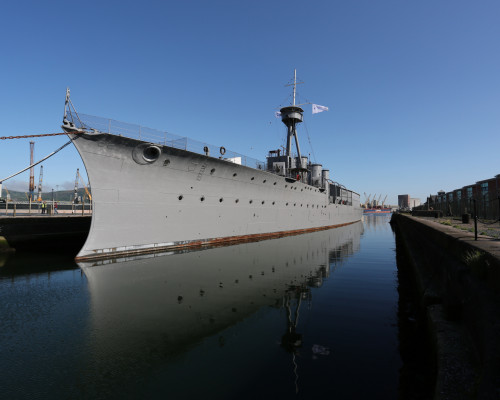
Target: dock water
point(306, 316)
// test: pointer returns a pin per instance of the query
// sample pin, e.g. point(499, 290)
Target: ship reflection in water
point(157, 308)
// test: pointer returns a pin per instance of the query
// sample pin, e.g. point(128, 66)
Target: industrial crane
point(367, 198)
point(83, 183)
point(383, 202)
point(75, 199)
point(32, 173)
point(7, 197)
point(40, 184)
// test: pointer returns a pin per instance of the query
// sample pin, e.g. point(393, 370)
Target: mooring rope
point(38, 162)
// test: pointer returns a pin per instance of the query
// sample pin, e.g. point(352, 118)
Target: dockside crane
point(7, 196)
point(75, 198)
point(383, 202)
point(40, 179)
point(32, 173)
point(367, 199)
point(84, 185)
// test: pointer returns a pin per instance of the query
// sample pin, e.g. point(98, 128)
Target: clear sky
point(413, 87)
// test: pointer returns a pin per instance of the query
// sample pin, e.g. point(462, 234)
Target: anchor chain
point(32, 136)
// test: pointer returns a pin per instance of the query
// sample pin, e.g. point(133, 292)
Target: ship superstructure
point(153, 191)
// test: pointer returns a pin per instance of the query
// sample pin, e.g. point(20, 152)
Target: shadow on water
point(24, 263)
point(417, 374)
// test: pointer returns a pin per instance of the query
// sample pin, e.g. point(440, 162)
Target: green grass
point(477, 262)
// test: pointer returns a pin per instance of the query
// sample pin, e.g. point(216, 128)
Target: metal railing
point(25, 208)
point(105, 125)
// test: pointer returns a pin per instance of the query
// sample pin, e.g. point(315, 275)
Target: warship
point(153, 191)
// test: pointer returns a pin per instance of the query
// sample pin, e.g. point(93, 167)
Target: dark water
point(297, 317)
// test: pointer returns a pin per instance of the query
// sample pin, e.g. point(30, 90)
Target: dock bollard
point(475, 219)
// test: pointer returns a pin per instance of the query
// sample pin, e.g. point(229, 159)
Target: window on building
point(484, 194)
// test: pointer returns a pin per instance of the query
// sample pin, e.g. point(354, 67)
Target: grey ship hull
point(173, 198)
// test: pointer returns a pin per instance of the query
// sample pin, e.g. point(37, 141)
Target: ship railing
point(105, 125)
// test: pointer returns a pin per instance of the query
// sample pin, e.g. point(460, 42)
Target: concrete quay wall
point(64, 233)
point(458, 283)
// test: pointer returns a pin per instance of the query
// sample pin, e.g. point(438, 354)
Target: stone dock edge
point(458, 285)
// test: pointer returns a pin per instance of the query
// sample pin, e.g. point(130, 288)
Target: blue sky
point(413, 87)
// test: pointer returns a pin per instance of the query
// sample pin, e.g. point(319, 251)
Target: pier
point(42, 232)
point(457, 279)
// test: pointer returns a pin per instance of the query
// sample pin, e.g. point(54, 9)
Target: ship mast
point(291, 116)
point(294, 84)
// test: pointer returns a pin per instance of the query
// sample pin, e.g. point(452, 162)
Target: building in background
point(414, 202)
point(482, 197)
point(404, 201)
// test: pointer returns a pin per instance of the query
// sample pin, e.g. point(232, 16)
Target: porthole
point(235, 174)
point(251, 201)
point(252, 178)
point(212, 171)
point(221, 200)
point(166, 162)
point(151, 153)
point(202, 198)
point(286, 186)
point(237, 201)
point(263, 201)
point(264, 181)
point(287, 204)
point(273, 203)
point(274, 183)
point(294, 204)
point(181, 197)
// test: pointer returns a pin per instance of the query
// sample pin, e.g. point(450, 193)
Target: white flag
point(317, 108)
point(277, 114)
